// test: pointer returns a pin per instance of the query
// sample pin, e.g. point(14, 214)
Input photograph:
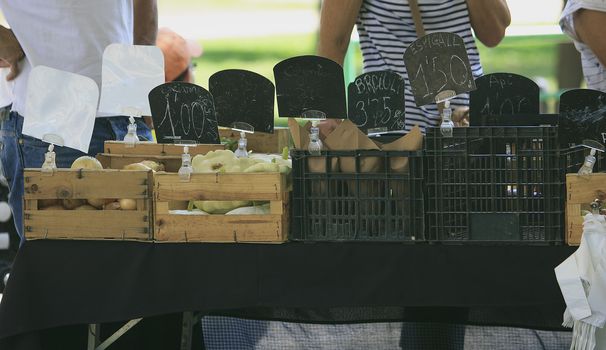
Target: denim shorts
point(18, 151)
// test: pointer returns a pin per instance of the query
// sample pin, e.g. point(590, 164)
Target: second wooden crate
point(261, 142)
point(68, 184)
point(116, 154)
point(580, 192)
point(171, 192)
point(157, 149)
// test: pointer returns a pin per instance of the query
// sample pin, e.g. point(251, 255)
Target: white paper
point(60, 107)
point(6, 88)
point(128, 74)
point(572, 289)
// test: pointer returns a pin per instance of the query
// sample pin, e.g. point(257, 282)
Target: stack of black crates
point(484, 184)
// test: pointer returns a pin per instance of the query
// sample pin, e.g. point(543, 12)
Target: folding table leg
point(95, 329)
point(187, 329)
point(93, 336)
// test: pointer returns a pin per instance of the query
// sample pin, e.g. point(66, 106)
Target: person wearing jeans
point(18, 151)
point(68, 35)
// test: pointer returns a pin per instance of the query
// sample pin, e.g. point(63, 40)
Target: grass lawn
point(529, 56)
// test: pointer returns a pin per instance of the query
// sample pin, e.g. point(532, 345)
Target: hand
point(10, 52)
point(460, 116)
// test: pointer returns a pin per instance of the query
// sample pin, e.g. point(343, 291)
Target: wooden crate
point(118, 161)
point(260, 142)
point(157, 149)
point(117, 155)
point(580, 192)
point(88, 224)
point(170, 192)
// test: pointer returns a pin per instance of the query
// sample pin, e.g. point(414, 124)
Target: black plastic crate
point(337, 198)
point(496, 184)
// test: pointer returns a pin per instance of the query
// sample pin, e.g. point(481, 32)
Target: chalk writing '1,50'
point(440, 75)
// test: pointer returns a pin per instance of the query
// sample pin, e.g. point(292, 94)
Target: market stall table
point(63, 283)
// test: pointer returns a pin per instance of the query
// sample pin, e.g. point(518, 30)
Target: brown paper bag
point(413, 141)
point(348, 137)
point(300, 136)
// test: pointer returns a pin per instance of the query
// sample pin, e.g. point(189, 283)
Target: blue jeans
point(18, 151)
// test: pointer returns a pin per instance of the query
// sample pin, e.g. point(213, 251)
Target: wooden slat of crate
point(581, 190)
point(271, 187)
point(260, 142)
point(67, 183)
point(118, 161)
point(219, 228)
point(158, 149)
point(216, 186)
point(88, 224)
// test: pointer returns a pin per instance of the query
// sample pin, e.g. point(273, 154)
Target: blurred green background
point(279, 29)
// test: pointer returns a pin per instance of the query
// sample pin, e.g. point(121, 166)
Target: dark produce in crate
point(497, 184)
point(383, 205)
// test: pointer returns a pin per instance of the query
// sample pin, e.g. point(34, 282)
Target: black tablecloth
point(60, 283)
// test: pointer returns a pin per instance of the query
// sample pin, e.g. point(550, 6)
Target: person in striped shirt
point(386, 28)
point(583, 21)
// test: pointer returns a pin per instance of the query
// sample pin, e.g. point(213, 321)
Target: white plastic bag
point(128, 74)
point(60, 107)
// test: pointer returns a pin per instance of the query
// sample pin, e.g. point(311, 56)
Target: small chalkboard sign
point(502, 95)
point(438, 62)
point(243, 96)
point(376, 101)
point(310, 83)
point(183, 112)
point(582, 116)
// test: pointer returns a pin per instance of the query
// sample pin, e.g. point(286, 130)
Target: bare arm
point(336, 23)
point(589, 25)
point(489, 19)
point(10, 52)
point(145, 22)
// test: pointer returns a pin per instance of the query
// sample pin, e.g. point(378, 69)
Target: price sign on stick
point(435, 63)
point(582, 116)
point(306, 84)
point(502, 95)
point(183, 112)
point(243, 96)
point(129, 73)
point(376, 101)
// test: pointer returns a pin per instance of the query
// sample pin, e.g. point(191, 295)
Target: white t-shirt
point(594, 71)
point(69, 35)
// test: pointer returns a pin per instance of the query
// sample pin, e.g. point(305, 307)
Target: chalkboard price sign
point(376, 101)
point(438, 62)
point(503, 95)
point(310, 83)
point(243, 96)
point(582, 116)
point(183, 112)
